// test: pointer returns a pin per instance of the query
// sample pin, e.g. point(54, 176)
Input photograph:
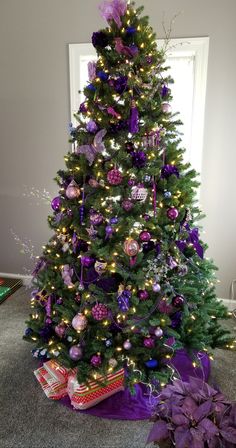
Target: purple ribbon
point(134, 119)
point(49, 306)
point(193, 238)
point(154, 197)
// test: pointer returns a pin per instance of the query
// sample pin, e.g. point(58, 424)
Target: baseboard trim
point(26, 279)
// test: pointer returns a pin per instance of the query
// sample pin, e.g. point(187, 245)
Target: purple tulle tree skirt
point(124, 406)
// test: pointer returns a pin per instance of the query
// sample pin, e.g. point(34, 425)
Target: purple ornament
point(139, 159)
point(129, 146)
point(145, 236)
point(96, 218)
point(79, 322)
point(127, 345)
point(149, 343)
point(100, 311)
point(127, 205)
point(172, 263)
point(114, 220)
point(149, 59)
point(156, 287)
point(92, 66)
point(164, 91)
point(143, 294)
point(113, 10)
point(87, 261)
point(48, 321)
point(56, 204)
point(100, 39)
point(60, 330)
point(172, 213)
point(73, 190)
point(147, 247)
point(131, 182)
point(178, 301)
point(83, 108)
point(158, 248)
point(146, 217)
point(59, 301)
point(109, 231)
point(166, 108)
point(103, 75)
point(134, 119)
point(176, 319)
point(158, 332)
point(169, 170)
point(131, 30)
point(75, 353)
point(92, 126)
point(120, 84)
point(45, 333)
point(124, 300)
point(96, 360)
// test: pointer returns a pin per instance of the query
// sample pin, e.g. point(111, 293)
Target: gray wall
point(34, 96)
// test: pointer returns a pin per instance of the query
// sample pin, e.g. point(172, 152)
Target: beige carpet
point(29, 420)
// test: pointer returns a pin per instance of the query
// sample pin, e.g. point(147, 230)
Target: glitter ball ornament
point(172, 213)
point(149, 343)
point(75, 353)
point(87, 261)
point(146, 217)
point(139, 193)
point(147, 178)
point(48, 321)
point(114, 177)
point(96, 218)
point(60, 330)
point(131, 182)
point(139, 159)
point(145, 236)
point(124, 300)
point(127, 345)
point(178, 301)
point(114, 220)
point(147, 247)
point(143, 294)
point(127, 205)
point(79, 322)
point(108, 343)
point(100, 267)
point(131, 247)
point(56, 204)
point(93, 183)
point(73, 190)
point(151, 363)
point(59, 301)
point(113, 363)
point(99, 311)
point(156, 287)
point(158, 332)
point(81, 287)
point(167, 194)
point(166, 108)
point(96, 360)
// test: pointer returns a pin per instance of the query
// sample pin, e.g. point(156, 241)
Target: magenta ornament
point(145, 236)
point(172, 213)
point(127, 205)
point(131, 247)
point(178, 301)
point(56, 204)
point(75, 353)
point(59, 301)
point(143, 294)
point(79, 322)
point(48, 320)
point(87, 261)
point(96, 360)
point(60, 330)
point(166, 108)
point(156, 287)
point(99, 311)
point(149, 343)
point(131, 182)
point(127, 345)
point(114, 177)
point(158, 332)
point(73, 190)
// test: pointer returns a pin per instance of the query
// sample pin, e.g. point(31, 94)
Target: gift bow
point(193, 238)
point(90, 151)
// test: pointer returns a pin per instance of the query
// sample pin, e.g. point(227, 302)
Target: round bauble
point(172, 213)
point(139, 159)
point(109, 231)
point(143, 294)
point(99, 311)
point(75, 353)
point(151, 363)
point(56, 204)
point(131, 247)
point(59, 301)
point(113, 363)
point(124, 300)
point(158, 332)
point(100, 267)
point(147, 247)
point(145, 236)
point(166, 108)
point(149, 343)
point(178, 301)
point(127, 205)
point(73, 190)
point(79, 322)
point(93, 183)
point(87, 261)
point(92, 126)
point(167, 194)
point(139, 193)
point(131, 182)
point(48, 320)
point(114, 177)
point(60, 330)
point(28, 332)
point(108, 343)
point(146, 217)
point(96, 360)
point(81, 287)
point(127, 345)
point(78, 298)
point(129, 146)
point(114, 220)
point(96, 218)
point(103, 75)
point(156, 287)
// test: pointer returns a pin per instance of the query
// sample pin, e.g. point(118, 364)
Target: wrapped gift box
point(53, 379)
point(84, 397)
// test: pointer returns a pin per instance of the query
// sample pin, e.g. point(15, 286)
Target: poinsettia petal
point(202, 411)
point(213, 442)
point(229, 434)
point(189, 406)
point(182, 437)
point(180, 419)
point(158, 432)
point(209, 427)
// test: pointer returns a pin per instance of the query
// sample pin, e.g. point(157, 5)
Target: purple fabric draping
point(124, 406)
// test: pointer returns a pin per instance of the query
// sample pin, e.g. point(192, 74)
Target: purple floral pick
point(92, 67)
point(114, 10)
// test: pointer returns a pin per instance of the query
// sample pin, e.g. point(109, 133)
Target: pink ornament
point(166, 108)
point(143, 294)
point(99, 311)
point(96, 360)
point(131, 247)
point(79, 322)
point(158, 332)
point(60, 330)
point(139, 193)
point(149, 343)
point(114, 177)
point(145, 236)
point(94, 183)
point(172, 213)
point(127, 205)
point(73, 190)
point(75, 353)
point(156, 287)
point(127, 345)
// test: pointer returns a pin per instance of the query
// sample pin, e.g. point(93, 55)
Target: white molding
point(230, 304)
point(26, 279)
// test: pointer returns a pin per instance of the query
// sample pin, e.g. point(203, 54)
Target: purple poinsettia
point(194, 415)
point(114, 10)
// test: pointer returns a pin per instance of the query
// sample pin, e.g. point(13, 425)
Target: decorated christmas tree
point(123, 282)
